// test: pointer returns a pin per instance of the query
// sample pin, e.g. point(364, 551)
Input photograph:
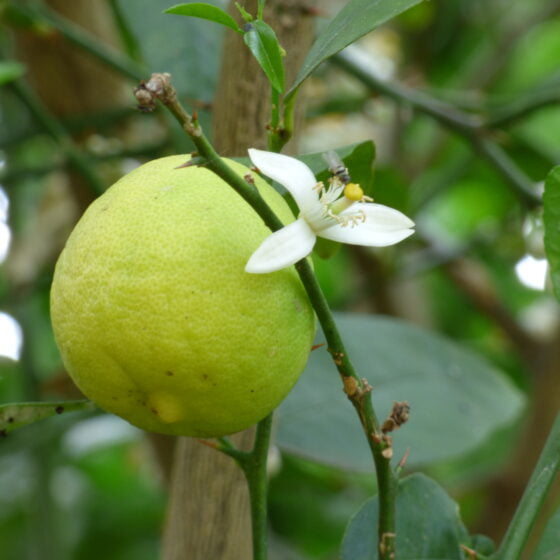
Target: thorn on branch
point(197, 160)
point(471, 554)
point(209, 443)
point(401, 464)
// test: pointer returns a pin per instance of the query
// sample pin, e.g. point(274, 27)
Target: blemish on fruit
point(3, 433)
point(59, 409)
point(11, 420)
point(166, 407)
point(169, 373)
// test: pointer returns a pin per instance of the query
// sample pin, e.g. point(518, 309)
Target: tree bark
point(208, 514)
point(242, 104)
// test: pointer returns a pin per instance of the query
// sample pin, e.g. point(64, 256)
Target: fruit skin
point(155, 317)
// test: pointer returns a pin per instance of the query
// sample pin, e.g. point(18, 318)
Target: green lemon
point(155, 317)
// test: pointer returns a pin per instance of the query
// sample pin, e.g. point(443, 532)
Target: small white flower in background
point(339, 212)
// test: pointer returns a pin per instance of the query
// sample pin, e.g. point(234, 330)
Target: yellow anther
point(353, 191)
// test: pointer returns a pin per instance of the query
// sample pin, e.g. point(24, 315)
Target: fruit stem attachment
point(254, 468)
point(253, 464)
point(358, 391)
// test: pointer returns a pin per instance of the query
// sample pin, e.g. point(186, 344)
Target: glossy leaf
point(428, 525)
point(551, 219)
point(16, 415)
point(204, 11)
point(549, 544)
point(262, 41)
point(357, 18)
point(457, 399)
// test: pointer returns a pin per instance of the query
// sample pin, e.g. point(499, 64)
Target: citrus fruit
point(156, 319)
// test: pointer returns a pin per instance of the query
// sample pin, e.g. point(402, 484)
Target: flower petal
point(291, 173)
point(383, 226)
point(282, 248)
point(384, 218)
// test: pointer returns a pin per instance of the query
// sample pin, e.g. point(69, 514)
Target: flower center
point(333, 204)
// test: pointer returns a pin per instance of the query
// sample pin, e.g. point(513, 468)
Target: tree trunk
point(208, 515)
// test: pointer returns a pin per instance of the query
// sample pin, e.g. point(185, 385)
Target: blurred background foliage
point(86, 485)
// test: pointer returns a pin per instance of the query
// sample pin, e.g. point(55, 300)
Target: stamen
point(351, 220)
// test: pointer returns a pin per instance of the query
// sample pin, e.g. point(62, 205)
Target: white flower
point(340, 213)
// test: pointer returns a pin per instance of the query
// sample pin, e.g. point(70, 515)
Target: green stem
point(500, 160)
point(523, 106)
point(289, 116)
point(470, 127)
point(128, 39)
point(13, 174)
point(274, 131)
point(359, 393)
point(254, 468)
point(260, 9)
point(57, 131)
point(357, 389)
point(544, 474)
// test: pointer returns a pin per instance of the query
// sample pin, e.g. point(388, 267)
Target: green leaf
point(551, 217)
point(428, 525)
point(549, 545)
point(457, 399)
point(357, 18)
point(10, 70)
point(204, 11)
point(16, 415)
point(358, 158)
point(262, 41)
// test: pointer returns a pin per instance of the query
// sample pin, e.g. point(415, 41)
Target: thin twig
point(128, 39)
point(544, 474)
point(53, 127)
point(82, 38)
point(470, 127)
point(524, 105)
point(254, 468)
